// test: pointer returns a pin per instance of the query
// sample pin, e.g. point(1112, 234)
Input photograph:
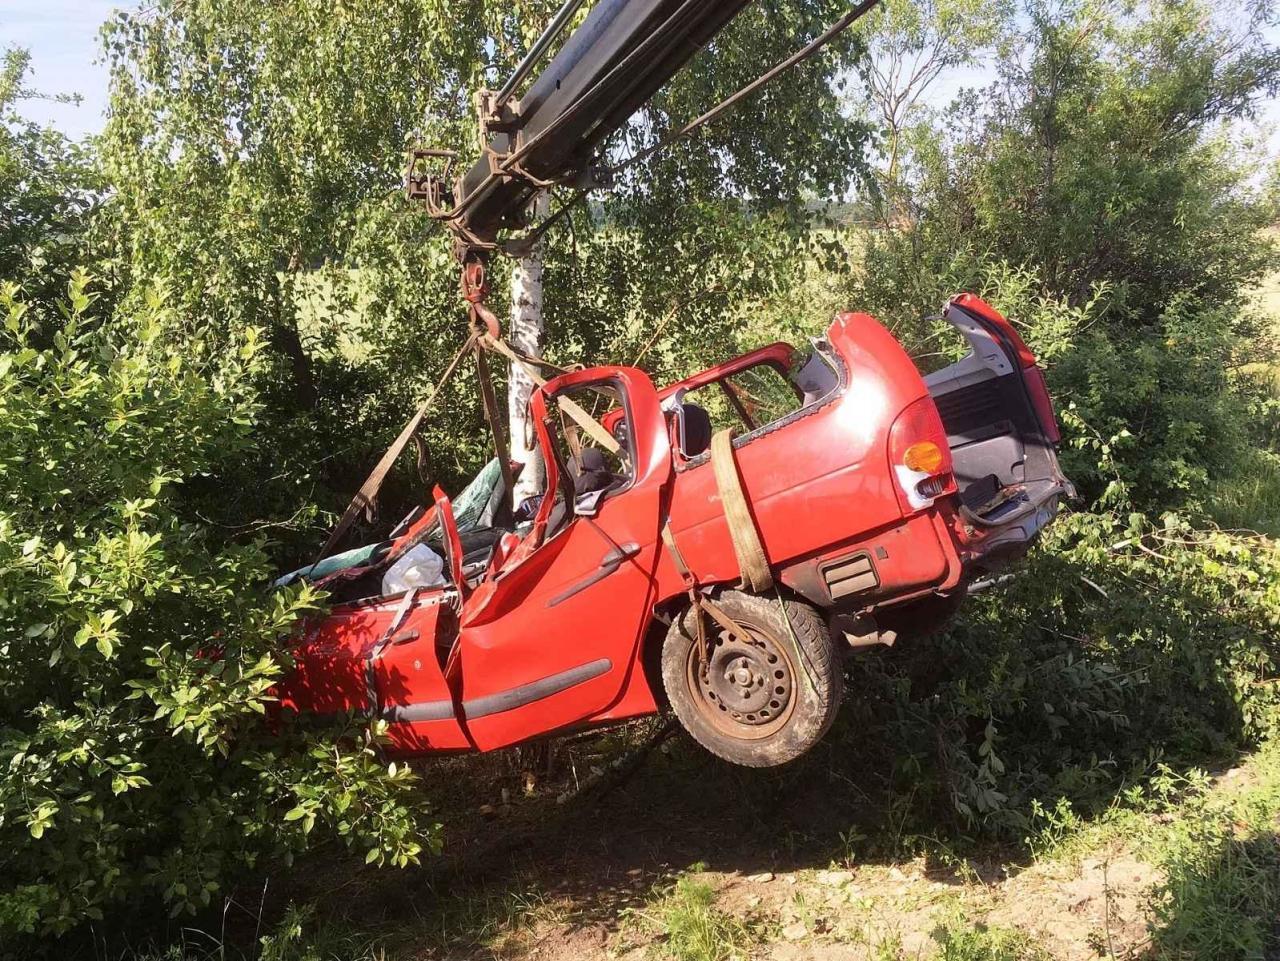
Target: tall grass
point(1250, 498)
point(1221, 856)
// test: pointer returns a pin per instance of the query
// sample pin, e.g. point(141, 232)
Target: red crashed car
point(875, 495)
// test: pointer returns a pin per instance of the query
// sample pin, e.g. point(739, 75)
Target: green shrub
point(139, 645)
point(1121, 643)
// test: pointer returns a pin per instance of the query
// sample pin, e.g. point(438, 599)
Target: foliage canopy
point(264, 305)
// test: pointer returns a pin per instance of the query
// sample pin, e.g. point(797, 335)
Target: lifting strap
point(753, 563)
point(497, 429)
point(477, 343)
point(700, 603)
point(369, 489)
point(592, 427)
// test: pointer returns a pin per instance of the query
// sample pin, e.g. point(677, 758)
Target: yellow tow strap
point(753, 563)
point(584, 420)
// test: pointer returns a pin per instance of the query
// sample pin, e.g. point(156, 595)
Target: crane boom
point(622, 53)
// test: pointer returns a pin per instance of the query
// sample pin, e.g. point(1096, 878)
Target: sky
point(62, 36)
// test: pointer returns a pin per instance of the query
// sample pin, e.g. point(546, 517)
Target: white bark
point(525, 336)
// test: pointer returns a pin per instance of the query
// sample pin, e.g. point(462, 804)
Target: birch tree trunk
point(525, 335)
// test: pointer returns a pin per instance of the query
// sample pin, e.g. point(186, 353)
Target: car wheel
point(761, 700)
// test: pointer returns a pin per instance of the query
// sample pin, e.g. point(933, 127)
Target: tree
point(48, 190)
point(1094, 194)
point(255, 154)
point(910, 45)
point(525, 333)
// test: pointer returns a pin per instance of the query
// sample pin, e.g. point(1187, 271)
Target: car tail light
point(924, 456)
point(921, 456)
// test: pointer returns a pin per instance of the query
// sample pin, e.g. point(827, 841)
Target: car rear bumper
point(988, 544)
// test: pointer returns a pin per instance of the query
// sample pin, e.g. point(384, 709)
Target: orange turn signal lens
point(925, 457)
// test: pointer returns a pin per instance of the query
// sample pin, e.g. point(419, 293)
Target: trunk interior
point(1005, 466)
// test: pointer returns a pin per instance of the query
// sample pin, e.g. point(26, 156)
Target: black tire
point(728, 708)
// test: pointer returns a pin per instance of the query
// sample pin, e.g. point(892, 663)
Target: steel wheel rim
point(749, 689)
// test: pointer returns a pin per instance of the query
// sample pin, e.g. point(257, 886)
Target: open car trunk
point(1001, 430)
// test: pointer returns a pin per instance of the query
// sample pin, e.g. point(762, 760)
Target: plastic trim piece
point(497, 703)
point(535, 690)
point(422, 711)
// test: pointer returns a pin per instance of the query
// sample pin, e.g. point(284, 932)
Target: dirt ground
point(1087, 910)
point(591, 876)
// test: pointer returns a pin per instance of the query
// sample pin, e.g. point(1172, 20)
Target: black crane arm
point(623, 52)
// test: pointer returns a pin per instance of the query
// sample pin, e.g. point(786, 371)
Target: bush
point(1123, 644)
point(1091, 194)
point(139, 645)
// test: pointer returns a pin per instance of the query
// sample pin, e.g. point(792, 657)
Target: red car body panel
point(825, 472)
point(554, 634)
point(522, 638)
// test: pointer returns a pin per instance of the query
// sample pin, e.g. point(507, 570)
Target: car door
point(407, 664)
point(552, 638)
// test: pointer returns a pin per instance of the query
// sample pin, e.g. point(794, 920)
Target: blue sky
point(62, 36)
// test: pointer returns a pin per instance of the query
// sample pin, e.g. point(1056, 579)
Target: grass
point(689, 925)
point(1267, 294)
point(1221, 855)
point(1217, 842)
point(1250, 500)
point(961, 940)
point(494, 920)
point(298, 937)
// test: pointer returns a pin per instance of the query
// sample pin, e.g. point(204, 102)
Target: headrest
point(695, 430)
point(593, 460)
